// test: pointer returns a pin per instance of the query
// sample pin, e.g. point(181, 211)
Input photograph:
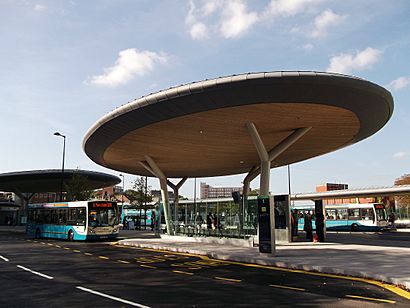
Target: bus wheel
point(354, 227)
point(70, 236)
point(38, 235)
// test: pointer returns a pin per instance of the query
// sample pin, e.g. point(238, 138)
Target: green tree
point(78, 188)
point(403, 202)
point(143, 191)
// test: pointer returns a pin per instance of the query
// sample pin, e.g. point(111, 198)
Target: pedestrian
point(320, 226)
point(295, 221)
point(308, 226)
point(152, 220)
point(209, 221)
point(392, 219)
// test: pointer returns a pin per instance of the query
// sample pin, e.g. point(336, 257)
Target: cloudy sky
point(65, 64)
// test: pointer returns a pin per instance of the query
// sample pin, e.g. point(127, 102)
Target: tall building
point(209, 192)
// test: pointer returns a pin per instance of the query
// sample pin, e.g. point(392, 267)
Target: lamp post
point(62, 168)
point(122, 195)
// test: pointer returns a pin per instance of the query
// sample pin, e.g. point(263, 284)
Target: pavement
point(384, 262)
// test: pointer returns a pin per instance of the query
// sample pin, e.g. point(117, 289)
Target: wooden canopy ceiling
point(199, 130)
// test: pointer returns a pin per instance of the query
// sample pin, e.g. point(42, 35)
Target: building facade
point(209, 192)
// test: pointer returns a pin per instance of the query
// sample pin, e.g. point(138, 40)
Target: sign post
point(266, 218)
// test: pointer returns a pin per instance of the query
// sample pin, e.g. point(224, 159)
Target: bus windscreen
point(103, 214)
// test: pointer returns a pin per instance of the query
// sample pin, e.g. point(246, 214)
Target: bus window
point(331, 214)
point(380, 213)
point(367, 214)
point(342, 214)
point(354, 214)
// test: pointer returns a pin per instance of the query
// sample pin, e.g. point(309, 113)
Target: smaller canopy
point(37, 181)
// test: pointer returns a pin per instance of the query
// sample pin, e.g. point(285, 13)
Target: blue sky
point(65, 64)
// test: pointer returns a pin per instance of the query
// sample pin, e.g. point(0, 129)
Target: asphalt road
point(53, 273)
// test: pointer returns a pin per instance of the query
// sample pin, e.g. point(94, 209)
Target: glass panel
point(367, 214)
point(331, 215)
point(342, 214)
point(354, 214)
point(381, 214)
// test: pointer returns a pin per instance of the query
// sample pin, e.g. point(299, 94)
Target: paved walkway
point(384, 263)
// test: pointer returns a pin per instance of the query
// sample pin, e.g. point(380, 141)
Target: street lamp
point(62, 168)
point(122, 195)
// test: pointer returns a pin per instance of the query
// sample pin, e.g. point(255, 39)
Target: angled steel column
point(156, 171)
point(176, 198)
point(278, 150)
point(264, 159)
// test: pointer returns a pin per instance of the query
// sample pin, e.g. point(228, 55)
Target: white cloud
point(362, 60)
point(199, 31)
point(236, 19)
point(308, 46)
point(400, 155)
point(130, 63)
point(324, 21)
point(40, 8)
point(400, 83)
point(287, 8)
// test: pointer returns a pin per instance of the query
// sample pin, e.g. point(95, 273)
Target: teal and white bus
point(348, 217)
point(79, 220)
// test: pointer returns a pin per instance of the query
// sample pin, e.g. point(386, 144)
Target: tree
point(403, 201)
point(77, 188)
point(143, 191)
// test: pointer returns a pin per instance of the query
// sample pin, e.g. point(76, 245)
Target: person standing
point(320, 226)
point(308, 226)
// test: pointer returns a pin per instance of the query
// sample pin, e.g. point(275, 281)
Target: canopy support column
point(176, 198)
point(153, 168)
point(264, 159)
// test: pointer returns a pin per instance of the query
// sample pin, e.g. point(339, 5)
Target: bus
point(78, 220)
point(349, 217)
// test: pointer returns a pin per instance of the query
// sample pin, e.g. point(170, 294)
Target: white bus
point(345, 217)
point(79, 220)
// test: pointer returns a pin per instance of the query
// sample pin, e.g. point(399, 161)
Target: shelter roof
point(199, 129)
point(50, 180)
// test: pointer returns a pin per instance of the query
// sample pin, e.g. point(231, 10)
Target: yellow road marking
point(75, 250)
point(147, 266)
point(122, 261)
point(391, 288)
point(182, 272)
point(228, 279)
point(104, 258)
point(372, 299)
point(66, 248)
point(286, 287)
point(58, 246)
point(88, 254)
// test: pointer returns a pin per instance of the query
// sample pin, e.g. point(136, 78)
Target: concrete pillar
point(153, 168)
point(176, 198)
point(264, 159)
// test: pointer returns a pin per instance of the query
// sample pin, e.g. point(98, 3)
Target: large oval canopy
point(199, 129)
point(37, 181)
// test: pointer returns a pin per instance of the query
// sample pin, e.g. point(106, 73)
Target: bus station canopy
point(200, 129)
point(37, 181)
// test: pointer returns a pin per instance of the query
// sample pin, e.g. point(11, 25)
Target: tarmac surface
point(384, 261)
point(375, 256)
